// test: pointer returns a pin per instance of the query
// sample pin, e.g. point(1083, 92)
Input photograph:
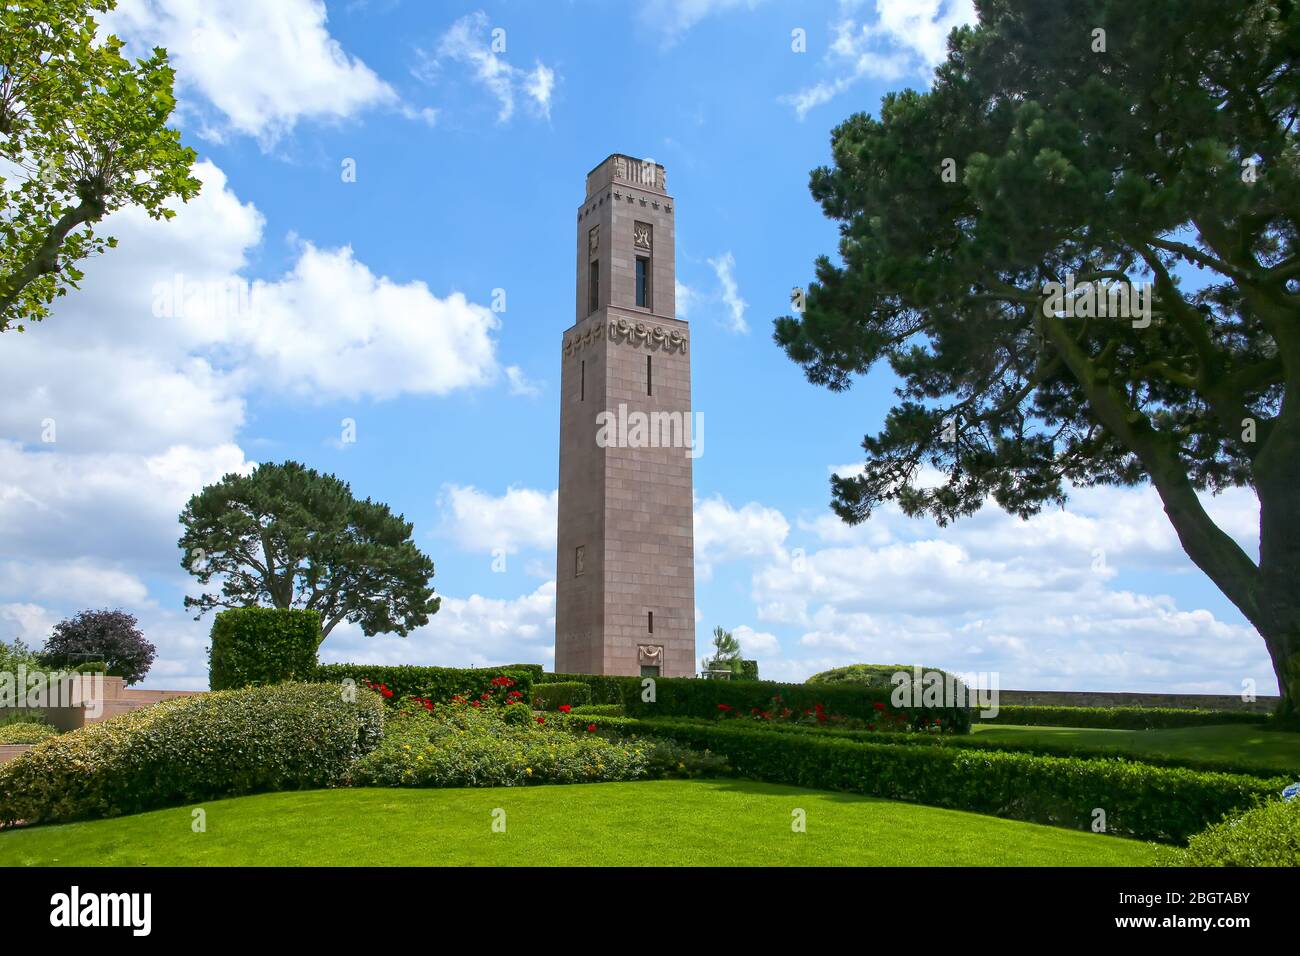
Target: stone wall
point(1084, 698)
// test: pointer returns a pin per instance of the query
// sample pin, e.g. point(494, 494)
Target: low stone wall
point(1083, 698)
point(111, 697)
point(10, 751)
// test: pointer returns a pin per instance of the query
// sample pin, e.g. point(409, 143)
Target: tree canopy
point(287, 536)
point(83, 132)
point(1108, 144)
point(111, 637)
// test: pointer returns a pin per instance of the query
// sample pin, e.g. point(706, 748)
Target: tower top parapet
point(628, 170)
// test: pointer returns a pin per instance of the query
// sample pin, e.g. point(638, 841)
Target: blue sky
point(373, 304)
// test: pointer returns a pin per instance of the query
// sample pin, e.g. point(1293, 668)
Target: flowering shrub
point(284, 737)
point(438, 684)
point(482, 743)
point(1268, 835)
point(818, 704)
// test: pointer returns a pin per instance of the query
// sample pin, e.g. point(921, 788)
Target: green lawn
point(1248, 746)
point(656, 823)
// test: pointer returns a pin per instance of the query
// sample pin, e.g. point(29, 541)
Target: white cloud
point(99, 398)
point(1028, 600)
point(475, 631)
point(264, 66)
point(919, 27)
point(672, 18)
point(756, 643)
point(539, 85)
point(26, 622)
point(727, 533)
point(82, 581)
point(520, 384)
point(167, 333)
point(685, 298)
point(480, 522)
point(110, 507)
point(470, 43)
point(908, 37)
point(724, 267)
point(332, 328)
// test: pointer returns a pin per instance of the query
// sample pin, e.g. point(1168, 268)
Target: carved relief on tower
point(650, 336)
point(641, 235)
point(581, 339)
point(593, 241)
point(650, 655)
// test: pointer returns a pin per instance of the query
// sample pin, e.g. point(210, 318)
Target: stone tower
point(625, 566)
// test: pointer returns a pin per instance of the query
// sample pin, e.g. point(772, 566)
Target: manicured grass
point(654, 823)
point(1234, 744)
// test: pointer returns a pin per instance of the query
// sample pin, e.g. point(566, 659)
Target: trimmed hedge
point(605, 688)
point(1121, 718)
point(602, 710)
point(1140, 800)
point(685, 697)
point(536, 670)
point(262, 645)
point(979, 742)
point(439, 684)
point(552, 696)
point(190, 749)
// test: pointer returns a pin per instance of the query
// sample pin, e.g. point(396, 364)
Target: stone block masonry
point(625, 574)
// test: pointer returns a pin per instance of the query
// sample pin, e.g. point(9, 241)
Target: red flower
point(591, 728)
point(724, 707)
point(878, 705)
point(475, 703)
point(565, 708)
point(541, 720)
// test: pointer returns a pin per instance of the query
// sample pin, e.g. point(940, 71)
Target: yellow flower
point(529, 771)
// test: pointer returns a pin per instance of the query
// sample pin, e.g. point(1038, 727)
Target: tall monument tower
point(625, 567)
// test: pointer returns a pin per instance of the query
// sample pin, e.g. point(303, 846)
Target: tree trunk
point(1277, 483)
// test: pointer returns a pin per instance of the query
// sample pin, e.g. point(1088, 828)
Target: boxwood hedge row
point(1139, 800)
point(1046, 748)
